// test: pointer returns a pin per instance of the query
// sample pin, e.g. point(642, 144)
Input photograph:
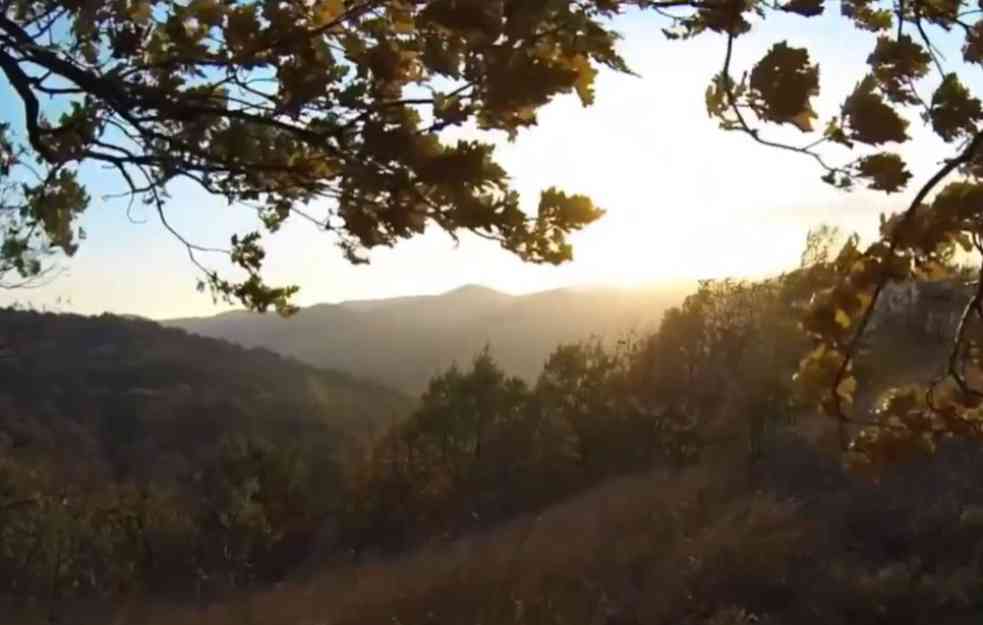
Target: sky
point(684, 199)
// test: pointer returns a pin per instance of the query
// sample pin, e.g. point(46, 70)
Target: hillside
point(403, 342)
point(667, 484)
point(138, 396)
point(806, 545)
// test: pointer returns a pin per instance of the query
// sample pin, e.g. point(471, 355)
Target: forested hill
point(137, 395)
point(402, 342)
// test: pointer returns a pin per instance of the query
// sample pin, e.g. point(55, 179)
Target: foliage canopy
point(280, 105)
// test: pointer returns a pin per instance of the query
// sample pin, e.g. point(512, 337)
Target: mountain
point(132, 396)
point(404, 341)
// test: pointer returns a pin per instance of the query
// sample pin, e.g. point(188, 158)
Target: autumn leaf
point(842, 318)
point(140, 11)
point(721, 17)
point(835, 133)
point(401, 18)
point(870, 119)
point(959, 202)
point(846, 389)
point(803, 121)
point(886, 170)
point(782, 85)
point(716, 96)
point(242, 28)
point(973, 47)
point(865, 15)
point(806, 8)
point(954, 111)
point(896, 63)
point(325, 12)
point(585, 79)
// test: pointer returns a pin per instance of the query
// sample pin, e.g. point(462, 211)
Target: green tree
point(470, 422)
point(586, 400)
point(477, 450)
point(64, 537)
point(252, 496)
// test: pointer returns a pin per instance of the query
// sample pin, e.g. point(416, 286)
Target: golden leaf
point(803, 121)
point(327, 11)
point(401, 19)
point(140, 11)
point(846, 388)
point(585, 79)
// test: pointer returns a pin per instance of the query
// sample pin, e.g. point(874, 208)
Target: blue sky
point(684, 199)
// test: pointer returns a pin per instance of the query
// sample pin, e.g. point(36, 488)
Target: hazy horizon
point(403, 341)
point(679, 286)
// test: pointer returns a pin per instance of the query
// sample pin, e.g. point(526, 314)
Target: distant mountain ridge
point(403, 341)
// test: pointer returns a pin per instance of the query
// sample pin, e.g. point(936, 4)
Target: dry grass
point(697, 548)
point(634, 549)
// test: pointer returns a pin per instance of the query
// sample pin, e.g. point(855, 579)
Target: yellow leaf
point(803, 121)
point(401, 20)
point(865, 300)
point(842, 318)
point(327, 11)
point(585, 79)
point(964, 241)
point(846, 388)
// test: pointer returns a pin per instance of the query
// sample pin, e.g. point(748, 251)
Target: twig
point(728, 84)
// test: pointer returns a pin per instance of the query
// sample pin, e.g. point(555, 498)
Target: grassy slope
point(806, 545)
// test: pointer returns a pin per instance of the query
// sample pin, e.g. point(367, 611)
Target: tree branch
point(32, 109)
point(965, 156)
point(746, 128)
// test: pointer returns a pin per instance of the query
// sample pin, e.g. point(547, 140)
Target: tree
point(904, 75)
point(278, 105)
point(465, 455)
point(587, 403)
point(253, 496)
point(718, 369)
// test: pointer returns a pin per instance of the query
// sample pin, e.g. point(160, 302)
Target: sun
point(625, 254)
